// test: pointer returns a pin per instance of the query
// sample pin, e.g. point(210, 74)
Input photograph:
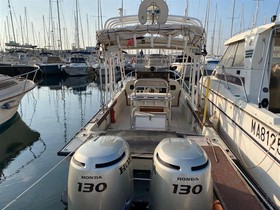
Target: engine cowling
point(100, 175)
point(182, 176)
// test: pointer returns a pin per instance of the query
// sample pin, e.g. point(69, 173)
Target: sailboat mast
point(59, 27)
point(26, 25)
point(11, 17)
point(21, 30)
point(44, 29)
point(77, 26)
point(256, 14)
point(231, 30)
point(213, 33)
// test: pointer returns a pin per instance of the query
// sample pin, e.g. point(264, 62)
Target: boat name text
point(269, 138)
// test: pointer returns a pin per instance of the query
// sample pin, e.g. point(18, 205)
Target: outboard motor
point(100, 176)
point(182, 176)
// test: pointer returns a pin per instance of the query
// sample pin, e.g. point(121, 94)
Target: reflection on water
point(13, 141)
point(50, 115)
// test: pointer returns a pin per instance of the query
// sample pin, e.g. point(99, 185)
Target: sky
point(37, 13)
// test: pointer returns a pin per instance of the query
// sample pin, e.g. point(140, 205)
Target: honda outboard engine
point(182, 176)
point(100, 176)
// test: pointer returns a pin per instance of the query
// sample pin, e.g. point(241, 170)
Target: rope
point(42, 177)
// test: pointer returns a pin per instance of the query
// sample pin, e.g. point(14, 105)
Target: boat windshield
point(274, 87)
point(78, 60)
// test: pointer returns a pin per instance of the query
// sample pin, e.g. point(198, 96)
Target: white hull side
point(7, 114)
point(249, 137)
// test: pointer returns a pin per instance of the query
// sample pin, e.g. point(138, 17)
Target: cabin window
point(234, 55)
point(239, 56)
point(274, 86)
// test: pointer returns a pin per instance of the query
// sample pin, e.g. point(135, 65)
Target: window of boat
point(239, 55)
point(274, 85)
point(77, 60)
point(234, 55)
point(228, 57)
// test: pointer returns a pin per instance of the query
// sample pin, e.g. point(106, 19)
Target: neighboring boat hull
point(254, 143)
point(75, 70)
point(12, 91)
point(51, 69)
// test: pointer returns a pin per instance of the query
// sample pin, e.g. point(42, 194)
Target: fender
point(142, 14)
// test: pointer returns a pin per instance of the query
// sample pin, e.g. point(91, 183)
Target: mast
point(98, 15)
point(26, 25)
point(81, 25)
point(207, 18)
point(242, 18)
point(11, 17)
point(219, 38)
point(187, 8)
point(88, 33)
point(213, 33)
point(256, 14)
point(59, 28)
point(77, 26)
point(231, 29)
point(21, 30)
point(8, 28)
point(45, 32)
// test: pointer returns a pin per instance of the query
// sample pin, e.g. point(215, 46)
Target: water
point(48, 117)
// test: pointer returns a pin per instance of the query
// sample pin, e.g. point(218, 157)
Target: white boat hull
point(11, 92)
point(251, 133)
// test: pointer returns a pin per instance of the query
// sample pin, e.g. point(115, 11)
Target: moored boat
point(145, 148)
point(244, 102)
point(51, 64)
point(77, 65)
point(12, 90)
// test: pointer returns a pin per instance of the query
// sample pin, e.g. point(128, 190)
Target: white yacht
point(243, 97)
point(12, 90)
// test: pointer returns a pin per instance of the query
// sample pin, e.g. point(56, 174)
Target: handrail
point(25, 76)
point(120, 21)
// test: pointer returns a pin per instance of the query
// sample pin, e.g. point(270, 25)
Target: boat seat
point(150, 104)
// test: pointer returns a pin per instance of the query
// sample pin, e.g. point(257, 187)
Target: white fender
point(142, 15)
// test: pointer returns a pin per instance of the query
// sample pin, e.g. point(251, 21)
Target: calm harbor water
point(48, 118)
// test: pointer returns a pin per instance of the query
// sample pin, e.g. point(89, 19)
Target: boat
point(16, 62)
point(182, 65)
point(12, 90)
point(244, 104)
point(77, 65)
point(210, 64)
point(146, 148)
point(51, 64)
